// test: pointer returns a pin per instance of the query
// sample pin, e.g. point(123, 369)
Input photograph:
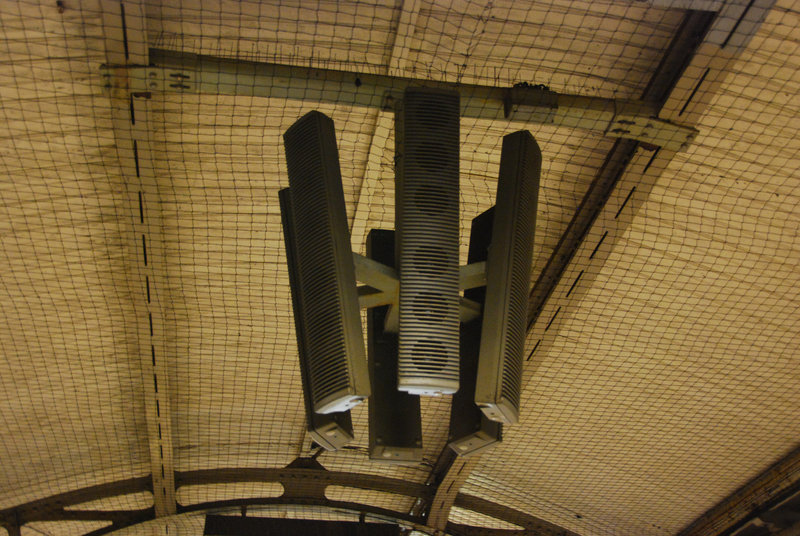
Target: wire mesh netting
point(73, 404)
point(147, 312)
point(672, 383)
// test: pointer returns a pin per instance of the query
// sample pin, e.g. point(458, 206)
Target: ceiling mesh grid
point(674, 381)
point(72, 401)
point(580, 47)
point(672, 384)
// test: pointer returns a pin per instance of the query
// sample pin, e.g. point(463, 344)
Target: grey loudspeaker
point(470, 431)
point(395, 424)
point(333, 430)
point(336, 362)
point(508, 274)
point(427, 219)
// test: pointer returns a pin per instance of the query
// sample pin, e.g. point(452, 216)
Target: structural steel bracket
point(383, 288)
point(525, 104)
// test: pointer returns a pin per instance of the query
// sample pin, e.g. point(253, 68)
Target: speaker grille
point(337, 368)
point(333, 430)
point(427, 217)
point(508, 275)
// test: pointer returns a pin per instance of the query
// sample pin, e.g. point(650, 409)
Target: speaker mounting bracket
point(380, 286)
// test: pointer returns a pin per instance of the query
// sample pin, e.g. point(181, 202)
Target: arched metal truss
point(304, 483)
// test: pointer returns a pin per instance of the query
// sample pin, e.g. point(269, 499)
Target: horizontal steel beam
point(522, 104)
point(234, 505)
point(385, 279)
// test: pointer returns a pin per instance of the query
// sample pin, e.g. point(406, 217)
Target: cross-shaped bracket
point(381, 286)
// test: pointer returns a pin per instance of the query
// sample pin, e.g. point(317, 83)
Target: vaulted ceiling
point(148, 363)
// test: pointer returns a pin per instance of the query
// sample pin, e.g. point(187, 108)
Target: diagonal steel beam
point(704, 47)
point(125, 31)
point(531, 524)
point(683, 46)
point(779, 481)
point(449, 482)
point(689, 76)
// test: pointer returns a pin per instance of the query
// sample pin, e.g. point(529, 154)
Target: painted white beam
point(519, 106)
point(375, 274)
point(124, 28)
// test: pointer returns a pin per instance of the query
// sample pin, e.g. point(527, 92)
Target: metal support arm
point(522, 104)
point(382, 287)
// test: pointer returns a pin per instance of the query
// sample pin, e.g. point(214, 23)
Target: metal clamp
point(652, 131)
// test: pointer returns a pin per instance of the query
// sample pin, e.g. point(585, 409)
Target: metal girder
point(754, 499)
point(683, 88)
point(54, 508)
point(530, 523)
point(689, 76)
point(383, 287)
point(375, 274)
point(126, 45)
point(377, 512)
point(385, 279)
point(521, 105)
point(628, 174)
point(593, 202)
point(692, 30)
point(447, 477)
point(304, 482)
point(449, 483)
